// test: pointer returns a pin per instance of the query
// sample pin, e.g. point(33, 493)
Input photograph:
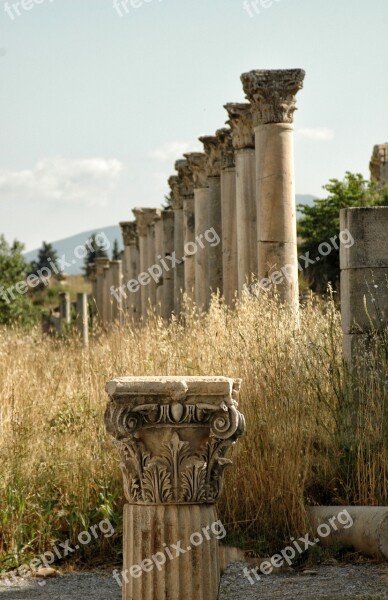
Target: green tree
point(46, 256)
point(116, 253)
point(95, 250)
point(15, 305)
point(321, 222)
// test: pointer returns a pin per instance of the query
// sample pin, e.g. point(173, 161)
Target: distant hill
point(67, 246)
point(304, 199)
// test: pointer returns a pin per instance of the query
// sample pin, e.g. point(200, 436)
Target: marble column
point(179, 271)
point(228, 212)
point(213, 168)
point(172, 434)
point(197, 161)
point(82, 318)
point(131, 271)
point(243, 137)
point(186, 187)
point(64, 309)
point(116, 301)
point(92, 276)
point(168, 222)
point(144, 217)
point(272, 95)
point(101, 298)
point(158, 268)
point(364, 277)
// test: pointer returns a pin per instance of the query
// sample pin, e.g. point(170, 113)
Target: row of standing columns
point(232, 219)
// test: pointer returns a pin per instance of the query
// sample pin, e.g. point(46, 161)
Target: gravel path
point(353, 582)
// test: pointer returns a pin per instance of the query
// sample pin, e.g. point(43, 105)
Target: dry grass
point(58, 470)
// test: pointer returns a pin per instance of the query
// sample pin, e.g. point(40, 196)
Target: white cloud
point(89, 181)
point(172, 151)
point(317, 134)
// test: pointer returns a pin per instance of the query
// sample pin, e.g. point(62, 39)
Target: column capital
point(378, 160)
point(129, 232)
point(185, 175)
point(197, 163)
point(272, 94)
point(241, 124)
point(172, 434)
point(212, 149)
point(176, 198)
point(227, 151)
point(101, 263)
point(144, 217)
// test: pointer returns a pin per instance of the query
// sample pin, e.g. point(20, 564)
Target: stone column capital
point(197, 162)
point(129, 232)
point(212, 149)
point(172, 434)
point(101, 263)
point(185, 175)
point(272, 94)
point(241, 124)
point(176, 198)
point(226, 145)
point(145, 217)
point(378, 160)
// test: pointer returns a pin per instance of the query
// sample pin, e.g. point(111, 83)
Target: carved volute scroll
point(272, 94)
point(241, 124)
point(172, 434)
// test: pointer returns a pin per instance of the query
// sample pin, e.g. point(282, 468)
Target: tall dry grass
point(59, 471)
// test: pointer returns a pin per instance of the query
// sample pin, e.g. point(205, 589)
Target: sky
point(97, 102)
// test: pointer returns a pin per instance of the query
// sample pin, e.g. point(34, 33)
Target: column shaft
point(159, 252)
point(246, 216)
point(189, 219)
point(168, 219)
point(202, 287)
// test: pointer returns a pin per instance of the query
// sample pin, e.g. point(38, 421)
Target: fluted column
point(197, 161)
point(213, 168)
point(272, 95)
point(131, 270)
point(179, 271)
point(172, 434)
point(168, 222)
point(228, 213)
point(243, 138)
point(144, 216)
point(185, 176)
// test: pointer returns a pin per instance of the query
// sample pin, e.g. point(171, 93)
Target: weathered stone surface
point(212, 149)
point(197, 162)
point(272, 94)
point(379, 164)
point(172, 434)
point(185, 175)
point(241, 124)
point(226, 146)
point(368, 228)
point(364, 299)
point(129, 232)
point(176, 197)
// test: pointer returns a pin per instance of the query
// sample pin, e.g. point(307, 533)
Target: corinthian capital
point(172, 434)
point(224, 136)
point(212, 149)
point(129, 232)
point(144, 217)
point(177, 200)
point(241, 123)
point(185, 176)
point(197, 163)
point(273, 94)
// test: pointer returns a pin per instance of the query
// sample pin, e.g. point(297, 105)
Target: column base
point(170, 552)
